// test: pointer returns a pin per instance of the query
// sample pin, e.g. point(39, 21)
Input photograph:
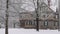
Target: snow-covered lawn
point(29, 31)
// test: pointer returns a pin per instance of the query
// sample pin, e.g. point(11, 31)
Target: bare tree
point(37, 16)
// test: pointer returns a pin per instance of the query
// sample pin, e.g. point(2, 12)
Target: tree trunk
point(6, 24)
point(37, 17)
point(59, 13)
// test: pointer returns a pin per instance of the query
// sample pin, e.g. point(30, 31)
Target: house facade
point(48, 19)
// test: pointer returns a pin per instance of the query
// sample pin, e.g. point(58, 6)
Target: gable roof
point(44, 4)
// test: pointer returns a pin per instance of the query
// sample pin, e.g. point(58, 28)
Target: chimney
point(49, 2)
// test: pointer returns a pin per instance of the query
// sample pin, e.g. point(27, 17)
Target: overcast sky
point(54, 4)
point(31, 7)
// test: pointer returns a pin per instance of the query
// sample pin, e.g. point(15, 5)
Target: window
point(56, 24)
point(45, 23)
point(44, 16)
point(30, 22)
point(56, 16)
point(33, 22)
point(27, 23)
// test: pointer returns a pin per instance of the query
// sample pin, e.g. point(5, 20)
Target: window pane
point(45, 23)
point(56, 16)
point(56, 23)
point(30, 22)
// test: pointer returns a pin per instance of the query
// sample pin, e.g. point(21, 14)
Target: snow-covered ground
point(29, 31)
